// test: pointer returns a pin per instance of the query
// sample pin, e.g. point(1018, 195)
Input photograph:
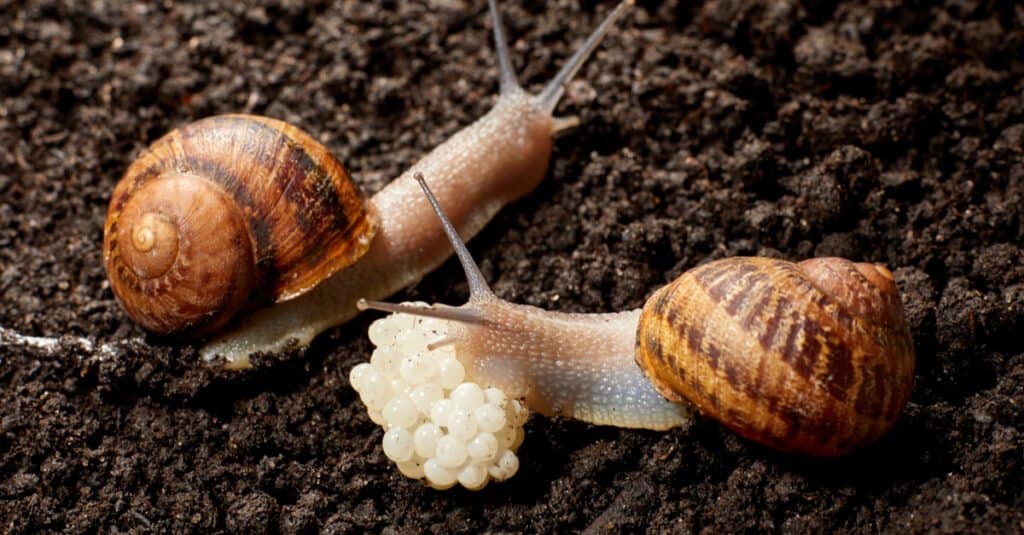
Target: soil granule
point(883, 131)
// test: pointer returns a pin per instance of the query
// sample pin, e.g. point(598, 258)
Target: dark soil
point(884, 131)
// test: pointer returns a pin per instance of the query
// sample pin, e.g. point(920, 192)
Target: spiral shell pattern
point(812, 358)
point(225, 208)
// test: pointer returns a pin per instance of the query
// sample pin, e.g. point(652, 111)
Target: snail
point(235, 210)
point(223, 207)
point(812, 358)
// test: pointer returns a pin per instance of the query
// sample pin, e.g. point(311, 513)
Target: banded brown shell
point(812, 358)
point(224, 211)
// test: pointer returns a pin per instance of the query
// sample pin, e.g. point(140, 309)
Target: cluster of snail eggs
point(438, 425)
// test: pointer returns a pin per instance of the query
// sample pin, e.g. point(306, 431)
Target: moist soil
point(883, 131)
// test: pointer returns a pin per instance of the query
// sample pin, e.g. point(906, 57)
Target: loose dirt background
point(879, 130)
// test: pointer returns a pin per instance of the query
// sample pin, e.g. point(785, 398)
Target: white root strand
point(51, 345)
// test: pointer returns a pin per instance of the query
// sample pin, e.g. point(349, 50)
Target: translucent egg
point(469, 396)
point(483, 448)
point(359, 375)
point(412, 338)
point(376, 391)
point(495, 396)
point(438, 475)
point(412, 469)
point(401, 322)
point(417, 369)
point(382, 332)
point(451, 452)
point(506, 467)
point(400, 387)
point(398, 444)
point(425, 439)
point(400, 412)
point(440, 425)
point(506, 437)
point(489, 418)
point(432, 327)
point(385, 360)
point(461, 424)
point(423, 396)
point(516, 414)
point(473, 477)
point(520, 435)
point(450, 373)
point(440, 411)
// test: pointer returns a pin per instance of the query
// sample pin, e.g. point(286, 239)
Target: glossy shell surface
point(223, 209)
point(812, 358)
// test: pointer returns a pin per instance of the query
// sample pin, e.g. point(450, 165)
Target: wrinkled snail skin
point(571, 365)
point(497, 159)
point(222, 208)
point(813, 358)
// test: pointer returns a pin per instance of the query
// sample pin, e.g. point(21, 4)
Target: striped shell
point(812, 358)
point(227, 210)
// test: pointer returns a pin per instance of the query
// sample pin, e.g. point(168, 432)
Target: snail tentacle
point(507, 74)
point(478, 288)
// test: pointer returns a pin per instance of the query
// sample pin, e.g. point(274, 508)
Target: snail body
point(813, 358)
point(497, 159)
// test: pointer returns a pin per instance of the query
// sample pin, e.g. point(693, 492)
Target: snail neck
point(575, 365)
point(572, 365)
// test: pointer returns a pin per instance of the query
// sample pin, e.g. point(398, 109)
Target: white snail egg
point(417, 368)
point(468, 396)
point(473, 477)
point(384, 361)
point(380, 332)
point(461, 424)
point(359, 375)
point(438, 476)
point(425, 439)
point(376, 392)
point(441, 426)
point(483, 448)
point(424, 396)
point(451, 371)
point(506, 467)
point(489, 418)
point(440, 410)
point(398, 444)
point(495, 396)
point(451, 451)
point(400, 412)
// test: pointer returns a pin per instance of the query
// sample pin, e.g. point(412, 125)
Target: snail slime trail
point(813, 358)
point(385, 245)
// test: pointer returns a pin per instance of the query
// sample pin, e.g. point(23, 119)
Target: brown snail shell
point(226, 210)
point(812, 358)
